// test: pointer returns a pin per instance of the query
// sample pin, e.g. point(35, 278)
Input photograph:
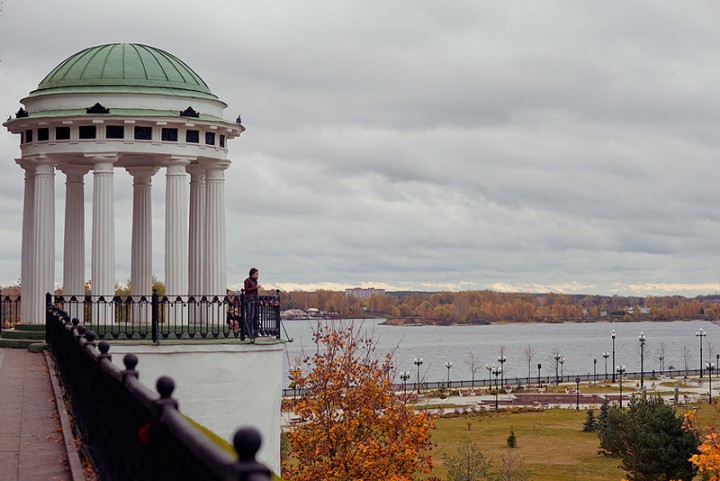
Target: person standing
point(251, 295)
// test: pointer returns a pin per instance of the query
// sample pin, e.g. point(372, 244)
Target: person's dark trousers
point(250, 318)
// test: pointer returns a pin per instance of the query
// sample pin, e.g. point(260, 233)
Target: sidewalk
point(32, 447)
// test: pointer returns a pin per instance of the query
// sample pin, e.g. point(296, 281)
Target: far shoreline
point(420, 321)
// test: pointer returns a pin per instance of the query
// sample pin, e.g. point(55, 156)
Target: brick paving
point(31, 440)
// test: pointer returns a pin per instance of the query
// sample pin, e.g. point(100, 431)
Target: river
point(578, 343)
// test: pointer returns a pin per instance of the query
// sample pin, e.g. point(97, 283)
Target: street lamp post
point(595, 371)
point(717, 363)
point(293, 383)
point(539, 366)
point(562, 369)
point(709, 367)
point(557, 367)
point(613, 353)
point(606, 355)
point(496, 372)
point(577, 393)
point(620, 370)
point(641, 338)
point(700, 334)
point(489, 370)
point(661, 358)
point(448, 365)
point(418, 363)
point(501, 360)
point(404, 376)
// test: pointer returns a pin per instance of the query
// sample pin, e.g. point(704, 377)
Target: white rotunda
point(142, 109)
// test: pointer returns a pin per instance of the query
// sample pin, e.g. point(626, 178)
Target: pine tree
point(651, 438)
point(511, 439)
point(591, 423)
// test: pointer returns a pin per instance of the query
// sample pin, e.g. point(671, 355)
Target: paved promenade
point(32, 447)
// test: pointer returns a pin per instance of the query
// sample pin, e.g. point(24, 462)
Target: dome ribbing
point(123, 67)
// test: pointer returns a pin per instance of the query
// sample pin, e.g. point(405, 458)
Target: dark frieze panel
point(97, 109)
point(189, 112)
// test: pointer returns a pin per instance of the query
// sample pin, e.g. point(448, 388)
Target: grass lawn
point(551, 444)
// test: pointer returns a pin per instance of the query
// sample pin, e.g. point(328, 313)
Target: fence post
point(155, 316)
point(48, 305)
point(276, 312)
point(243, 312)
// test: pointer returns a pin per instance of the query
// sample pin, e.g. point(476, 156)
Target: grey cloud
point(417, 143)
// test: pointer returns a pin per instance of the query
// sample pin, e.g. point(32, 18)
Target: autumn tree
point(708, 459)
point(353, 425)
point(511, 468)
point(529, 353)
point(473, 363)
point(467, 464)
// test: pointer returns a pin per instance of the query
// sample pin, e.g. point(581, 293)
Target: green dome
point(126, 68)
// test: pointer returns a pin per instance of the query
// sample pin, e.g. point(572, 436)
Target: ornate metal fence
point(175, 317)
point(129, 433)
point(9, 311)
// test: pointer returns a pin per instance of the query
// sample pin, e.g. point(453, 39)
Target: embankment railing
point(129, 433)
point(630, 379)
point(175, 317)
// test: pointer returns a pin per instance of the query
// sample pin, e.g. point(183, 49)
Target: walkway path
point(32, 447)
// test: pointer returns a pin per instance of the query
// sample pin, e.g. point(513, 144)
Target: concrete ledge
point(75, 465)
point(22, 334)
point(17, 343)
point(30, 327)
point(37, 347)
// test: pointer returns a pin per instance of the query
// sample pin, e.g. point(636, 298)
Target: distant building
point(364, 293)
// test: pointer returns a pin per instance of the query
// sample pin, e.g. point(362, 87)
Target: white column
point(103, 228)
point(43, 237)
point(176, 227)
point(196, 238)
point(215, 240)
point(74, 236)
point(141, 249)
point(27, 267)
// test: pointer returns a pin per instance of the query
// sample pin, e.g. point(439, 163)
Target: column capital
point(142, 175)
point(25, 164)
point(179, 160)
point(103, 162)
point(194, 169)
point(214, 164)
point(39, 159)
point(197, 174)
point(74, 172)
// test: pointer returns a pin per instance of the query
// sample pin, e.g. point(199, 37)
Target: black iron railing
point(129, 433)
point(517, 382)
point(9, 311)
point(175, 317)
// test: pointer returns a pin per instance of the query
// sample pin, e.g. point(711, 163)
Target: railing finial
point(104, 347)
point(247, 442)
point(165, 387)
point(130, 361)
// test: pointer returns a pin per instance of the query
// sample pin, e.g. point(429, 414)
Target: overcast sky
point(422, 145)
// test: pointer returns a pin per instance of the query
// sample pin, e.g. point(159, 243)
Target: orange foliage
point(353, 425)
point(708, 459)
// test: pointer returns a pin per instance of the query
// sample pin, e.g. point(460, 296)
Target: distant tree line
point(489, 306)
